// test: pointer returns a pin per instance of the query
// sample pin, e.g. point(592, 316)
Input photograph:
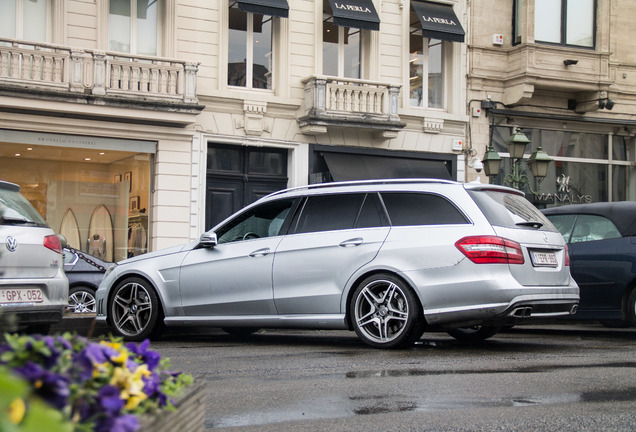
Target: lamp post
point(517, 143)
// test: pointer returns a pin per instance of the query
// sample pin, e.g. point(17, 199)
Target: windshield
point(510, 210)
point(16, 210)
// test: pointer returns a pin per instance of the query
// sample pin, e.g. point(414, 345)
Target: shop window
point(582, 170)
point(433, 28)
point(98, 197)
point(345, 38)
point(26, 19)
point(562, 22)
point(341, 49)
point(250, 59)
point(426, 71)
point(133, 26)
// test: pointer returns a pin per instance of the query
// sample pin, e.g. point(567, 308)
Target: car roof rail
point(361, 183)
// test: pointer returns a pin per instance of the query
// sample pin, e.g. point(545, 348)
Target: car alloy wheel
point(134, 309)
point(81, 300)
point(386, 313)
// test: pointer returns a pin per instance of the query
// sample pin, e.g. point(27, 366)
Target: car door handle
point(352, 242)
point(260, 252)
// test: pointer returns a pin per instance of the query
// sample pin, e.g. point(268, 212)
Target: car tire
point(474, 333)
point(631, 307)
point(240, 331)
point(386, 313)
point(134, 309)
point(81, 300)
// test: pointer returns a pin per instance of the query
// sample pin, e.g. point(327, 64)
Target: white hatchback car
point(33, 286)
point(385, 258)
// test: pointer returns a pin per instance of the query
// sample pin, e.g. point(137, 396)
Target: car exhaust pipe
point(522, 312)
point(574, 309)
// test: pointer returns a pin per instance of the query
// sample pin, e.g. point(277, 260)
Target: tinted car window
point(510, 210)
point(372, 214)
point(329, 212)
point(263, 221)
point(16, 210)
point(421, 209)
point(584, 228)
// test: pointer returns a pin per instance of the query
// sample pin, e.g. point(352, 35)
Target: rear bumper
point(521, 309)
point(44, 315)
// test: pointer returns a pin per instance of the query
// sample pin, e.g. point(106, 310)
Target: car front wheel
point(134, 309)
point(386, 312)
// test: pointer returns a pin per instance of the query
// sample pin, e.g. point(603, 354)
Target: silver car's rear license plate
point(544, 259)
point(21, 295)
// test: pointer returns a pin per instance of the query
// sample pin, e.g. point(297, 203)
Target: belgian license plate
point(544, 259)
point(21, 295)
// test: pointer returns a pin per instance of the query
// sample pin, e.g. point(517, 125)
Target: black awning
point(347, 166)
point(277, 8)
point(439, 21)
point(355, 13)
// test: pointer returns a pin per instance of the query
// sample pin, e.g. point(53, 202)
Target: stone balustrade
point(331, 101)
point(99, 73)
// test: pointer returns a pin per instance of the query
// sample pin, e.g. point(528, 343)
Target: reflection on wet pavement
point(362, 405)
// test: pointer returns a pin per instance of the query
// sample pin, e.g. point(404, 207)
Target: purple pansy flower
point(148, 356)
point(125, 423)
point(51, 387)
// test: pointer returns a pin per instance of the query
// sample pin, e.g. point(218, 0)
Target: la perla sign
point(352, 8)
point(437, 20)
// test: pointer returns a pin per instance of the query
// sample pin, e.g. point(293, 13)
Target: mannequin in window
point(97, 246)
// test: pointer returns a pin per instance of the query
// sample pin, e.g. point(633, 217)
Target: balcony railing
point(346, 102)
point(68, 70)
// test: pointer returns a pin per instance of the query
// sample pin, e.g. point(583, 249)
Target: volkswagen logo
point(12, 244)
point(545, 237)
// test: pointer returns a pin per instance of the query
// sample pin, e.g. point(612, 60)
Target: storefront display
point(587, 167)
point(87, 189)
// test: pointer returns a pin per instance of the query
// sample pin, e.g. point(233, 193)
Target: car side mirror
point(63, 241)
point(208, 240)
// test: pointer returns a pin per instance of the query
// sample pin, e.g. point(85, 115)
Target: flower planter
point(188, 415)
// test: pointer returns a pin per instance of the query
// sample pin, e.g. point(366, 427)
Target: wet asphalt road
point(572, 377)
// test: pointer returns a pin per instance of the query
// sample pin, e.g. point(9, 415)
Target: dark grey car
point(602, 244)
point(85, 272)
point(385, 258)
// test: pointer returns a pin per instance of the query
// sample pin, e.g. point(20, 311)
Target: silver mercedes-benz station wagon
point(386, 258)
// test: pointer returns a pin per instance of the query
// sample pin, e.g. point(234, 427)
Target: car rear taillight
point(567, 256)
point(490, 250)
point(53, 242)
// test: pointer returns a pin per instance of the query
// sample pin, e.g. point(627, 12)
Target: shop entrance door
point(238, 176)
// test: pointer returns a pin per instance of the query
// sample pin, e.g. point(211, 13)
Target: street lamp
point(517, 143)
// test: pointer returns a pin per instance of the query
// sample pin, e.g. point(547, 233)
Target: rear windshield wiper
point(17, 221)
point(531, 224)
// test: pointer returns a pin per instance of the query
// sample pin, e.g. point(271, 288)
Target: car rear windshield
point(16, 210)
point(510, 211)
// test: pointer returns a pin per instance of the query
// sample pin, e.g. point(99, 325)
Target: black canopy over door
point(345, 167)
point(238, 176)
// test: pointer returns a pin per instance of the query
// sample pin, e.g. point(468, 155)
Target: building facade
point(564, 73)
point(137, 125)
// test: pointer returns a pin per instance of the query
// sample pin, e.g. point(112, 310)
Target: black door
point(238, 176)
